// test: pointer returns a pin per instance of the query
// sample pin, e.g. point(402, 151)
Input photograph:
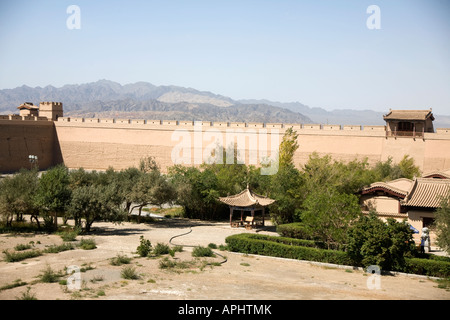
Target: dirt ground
point(241, 277)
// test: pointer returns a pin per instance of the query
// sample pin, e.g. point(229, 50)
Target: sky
point(320, 53)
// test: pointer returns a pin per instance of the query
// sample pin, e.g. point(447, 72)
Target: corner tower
point(51, 110)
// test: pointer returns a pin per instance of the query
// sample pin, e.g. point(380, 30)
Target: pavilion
point(246, 200)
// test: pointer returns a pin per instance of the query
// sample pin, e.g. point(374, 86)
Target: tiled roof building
point(414, 200)
point(427, 193)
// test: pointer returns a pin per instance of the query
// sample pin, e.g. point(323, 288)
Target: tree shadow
point(164, 223)
point(112, 231)
point(180, 223)
point(267, 228)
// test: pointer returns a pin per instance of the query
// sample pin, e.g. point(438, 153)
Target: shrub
point(49, 276)
point(160, 249)
point(59, 248)
point(212, 245)
point(129, 273)
point(289, 241)
point(22, 255)
point(144, 247)
point(202, 252)
point(21, 247)
point(167, 264)
point(177, 249)
point(428, 267)
point(69, 235)
point(15, 284)
point(87, 244)
point(119, 260)
point(266, 245)
point(27, 295)
point(280, 247)
point(374, 242)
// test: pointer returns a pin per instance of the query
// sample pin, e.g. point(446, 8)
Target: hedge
point(272, 246)
point(428, 267)
point(288, 240)
point(305, 250)
point(295, 230)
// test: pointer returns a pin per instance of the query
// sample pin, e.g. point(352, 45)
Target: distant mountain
point(322, 116)
point(106, 98)
point(102, 90)
point(343, 116)
point(144, 100)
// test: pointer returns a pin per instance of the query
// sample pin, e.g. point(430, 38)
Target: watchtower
point(51, 110)
point(409, 123)
point(28, 109)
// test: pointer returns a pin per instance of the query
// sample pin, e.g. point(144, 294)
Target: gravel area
point(241, 277)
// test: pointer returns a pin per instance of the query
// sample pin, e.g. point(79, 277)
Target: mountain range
point(143, 100)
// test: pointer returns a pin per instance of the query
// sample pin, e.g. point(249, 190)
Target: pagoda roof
point(246, 198)
point(410, 115)
point(28, 105)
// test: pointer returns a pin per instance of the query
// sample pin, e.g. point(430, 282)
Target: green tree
point(17, 196)
point(386, 170)
point(442, 224)
point(324, 172)
point(285, 185)
point(408, 169)
point(286, 188)
point(288, 146)
point(198, 188)
point(327, 216)
point(126, 179)
point(151, 187)
point(148, 164)
point(196, 191)
point(96, 196)
point(92, 203)
point(372, 241)
point(7, 199)
point(53, 194)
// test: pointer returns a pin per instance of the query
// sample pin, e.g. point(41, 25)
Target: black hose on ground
point(191, 246)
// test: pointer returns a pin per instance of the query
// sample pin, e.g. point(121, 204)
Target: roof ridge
point(387, 187)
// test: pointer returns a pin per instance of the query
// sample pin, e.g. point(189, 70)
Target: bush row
point(293, 230)
point(269, 246)
point(428, 267)
point(295, 249)
point(288, 240)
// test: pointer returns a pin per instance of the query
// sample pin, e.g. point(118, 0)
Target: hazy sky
point(320, 53)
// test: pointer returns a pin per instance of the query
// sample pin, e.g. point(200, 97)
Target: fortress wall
point(121, 143)
point(21, 138)
point(343, 147)
point(398, 148)
point(99, 145)
point(436, 152)
point(96, 145)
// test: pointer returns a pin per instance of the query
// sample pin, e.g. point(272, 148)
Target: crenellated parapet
point(98, 143)
point(316, 128)
point(217, 124)
point(171, 124)
point(16, 117)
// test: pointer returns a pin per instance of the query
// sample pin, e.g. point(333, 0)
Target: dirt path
point(242, 277)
